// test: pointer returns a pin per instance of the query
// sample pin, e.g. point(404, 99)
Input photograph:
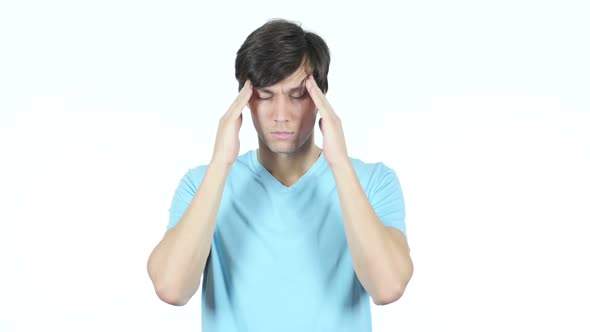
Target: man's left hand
point(334, 145)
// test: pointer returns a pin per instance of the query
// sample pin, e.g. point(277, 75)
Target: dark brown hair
point(276, 50)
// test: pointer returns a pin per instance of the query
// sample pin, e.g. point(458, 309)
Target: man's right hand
point(177, 263)
point(227, 142)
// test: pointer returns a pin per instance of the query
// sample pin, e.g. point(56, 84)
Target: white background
point(482, 109)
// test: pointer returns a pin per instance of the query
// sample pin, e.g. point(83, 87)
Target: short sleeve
point(184, 193)
point(387, 198)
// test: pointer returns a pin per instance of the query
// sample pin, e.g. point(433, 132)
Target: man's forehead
point(286, 86)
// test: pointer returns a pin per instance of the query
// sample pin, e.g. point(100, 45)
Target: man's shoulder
point(197, 172)
point(370, 167)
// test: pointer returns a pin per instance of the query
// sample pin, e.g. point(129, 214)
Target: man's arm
point(176, 264)
point(380, 254)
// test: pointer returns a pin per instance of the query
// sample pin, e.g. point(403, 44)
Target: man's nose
point(281, 109)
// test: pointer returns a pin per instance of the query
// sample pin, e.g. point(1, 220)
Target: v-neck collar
point(318, 165)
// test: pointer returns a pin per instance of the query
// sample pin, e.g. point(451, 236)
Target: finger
point(242, 99)
point(244, 96)
point(318, 96)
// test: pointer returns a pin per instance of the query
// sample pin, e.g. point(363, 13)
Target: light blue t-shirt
point(279, 259)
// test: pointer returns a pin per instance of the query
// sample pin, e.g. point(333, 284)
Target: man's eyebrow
point(295, 89)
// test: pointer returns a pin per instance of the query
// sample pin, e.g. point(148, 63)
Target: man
point(288, 237)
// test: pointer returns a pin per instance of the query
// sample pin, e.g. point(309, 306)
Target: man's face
point(284, 107)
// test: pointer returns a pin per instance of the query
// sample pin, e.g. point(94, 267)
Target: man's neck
point(287, 168)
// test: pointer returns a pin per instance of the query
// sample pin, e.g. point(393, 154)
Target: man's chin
point(282, 148)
